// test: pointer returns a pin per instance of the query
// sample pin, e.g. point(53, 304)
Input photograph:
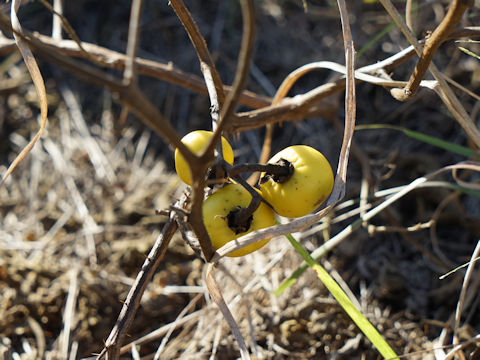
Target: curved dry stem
point(350, 108)
point(340, 179)
point(226, 113)
point(217, 297)
point(469, 185)
point(463, 293)
point(451, 354)
point(37, 81)
point(241, 72)
point(296, 108)
point(304, 222)
point(210, 74)
point(282, 91)
point(433, 229)
point(206, 63)
point(67, 27)
point(443, 89)
point(453, 16)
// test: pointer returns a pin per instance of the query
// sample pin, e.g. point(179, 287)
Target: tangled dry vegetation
point(81, 212)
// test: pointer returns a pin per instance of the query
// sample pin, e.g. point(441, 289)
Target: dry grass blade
point(57, 20)
point(129, 75)
point(463, 293)
point(350, 108)
point(333, 242)
point(473, 166)
point(216, 295)
point(37, 81)
point(175, 324)
point(451, 354)
point(163, 330)
point(69, 312)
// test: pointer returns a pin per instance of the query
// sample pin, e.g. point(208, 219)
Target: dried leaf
point(37, 81)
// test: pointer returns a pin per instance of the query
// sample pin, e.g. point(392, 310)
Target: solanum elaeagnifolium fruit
point(197, 141)
point(217, 217)
point(308, 186)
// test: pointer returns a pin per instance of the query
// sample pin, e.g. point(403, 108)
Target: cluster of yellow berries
point(306, 187)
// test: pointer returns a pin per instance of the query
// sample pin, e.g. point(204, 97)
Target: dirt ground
point(78, 216)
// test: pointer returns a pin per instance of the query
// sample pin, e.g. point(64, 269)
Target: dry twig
point(127, 314)
point(454, 15)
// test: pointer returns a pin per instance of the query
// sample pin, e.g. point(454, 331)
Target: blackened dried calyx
point(215, 173)
point(279, 172)
point(236, 223)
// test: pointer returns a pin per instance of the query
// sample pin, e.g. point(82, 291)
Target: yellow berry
point(197, 141)
point(306, 189)
point(216, 210)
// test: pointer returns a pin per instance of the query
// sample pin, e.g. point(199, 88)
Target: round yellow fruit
point(309, 185)
point(197, 141)
point(216, 210)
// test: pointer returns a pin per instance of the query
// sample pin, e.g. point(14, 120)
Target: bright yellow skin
point(220, 204)
point(308, 187)
point(197, 141)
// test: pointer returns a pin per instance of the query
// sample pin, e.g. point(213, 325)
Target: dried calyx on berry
point(280, 173)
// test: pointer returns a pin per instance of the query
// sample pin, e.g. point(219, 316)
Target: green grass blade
point(291, 280)
point(468, 52)
point(375, 39)
point(364, 325)
point(458, 268)
point(454, 148)
point(325, 248)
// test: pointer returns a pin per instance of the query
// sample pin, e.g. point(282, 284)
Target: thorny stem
point(302, 108)
point(198, 166)
point(453, 16)
point(206, 63)
point(241, 73)
point(130, 306)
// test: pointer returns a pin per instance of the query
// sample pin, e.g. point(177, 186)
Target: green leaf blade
point(362, 322)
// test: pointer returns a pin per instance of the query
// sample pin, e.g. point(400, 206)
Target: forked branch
point(453, 16)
